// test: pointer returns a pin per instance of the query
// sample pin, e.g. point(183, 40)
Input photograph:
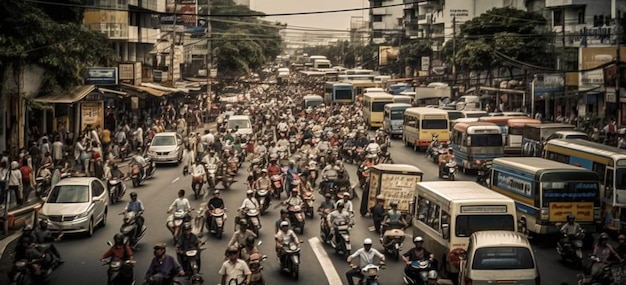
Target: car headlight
point(151, 152)
point(82, 215)
point(42, 216)
point(174, 152)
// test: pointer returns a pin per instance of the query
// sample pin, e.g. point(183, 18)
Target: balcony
point(429, 4)
point(378, 26)
point(379, 11)
point(423, 19)
point(199, 49)
point(561, 3)
point(143, 35)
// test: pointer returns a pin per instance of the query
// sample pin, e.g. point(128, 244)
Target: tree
point(411, 54)
point(51, 38)
point(242, 44)
point(517, 34)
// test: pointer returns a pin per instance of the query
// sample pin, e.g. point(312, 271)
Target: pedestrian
point(15, 182)
point(378, 213)
point(28, 179)
point(57, 151)
point(4, 171)
point(45, 146)
point(139, 136)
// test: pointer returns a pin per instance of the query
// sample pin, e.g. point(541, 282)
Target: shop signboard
point(101, 76)
point(592, 60)
point(91, 113)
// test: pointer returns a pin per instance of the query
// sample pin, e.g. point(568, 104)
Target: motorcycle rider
point(294, 199)
point(373, 147)
point(337, 216)
point(347, 204)
point(283, 143)
point(444, 158)
point(163, 264)
point(604, 251)
point(214, 203)
point(139, 161)
point(249, 249)
point(42, 260)
point(328, 203)
point(330, 173)
point(414, 254)
point(366, 256)
point(119, 251)
point(263, 182)
point(273, 168)
point(249, 203)
point(378, 214)
point(284, 217)
point(570, 229)
point(393, 219)
point(135, 205)
point(180, 204)
point(188, 241)
point(239, 237)
point(198, 171)
point(292, 171)
point(44, 236)
point(234, 268)
point(283, 237)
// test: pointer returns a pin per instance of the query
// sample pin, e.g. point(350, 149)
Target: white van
point(498, 257)
point(243, 124)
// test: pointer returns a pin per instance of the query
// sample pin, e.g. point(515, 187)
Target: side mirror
point(95, 199)
point(462, 256)
point(260, 243)
point(109, 243)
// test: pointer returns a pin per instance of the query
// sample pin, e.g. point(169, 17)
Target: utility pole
point(173, 45)
point(618, 65)
point(452, 95)
point(209, 59)
point(562, 67)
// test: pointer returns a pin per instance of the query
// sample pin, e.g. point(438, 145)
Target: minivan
point(241, 123)
point(498, 257)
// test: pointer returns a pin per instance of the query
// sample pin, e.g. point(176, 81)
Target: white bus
point(447, 213)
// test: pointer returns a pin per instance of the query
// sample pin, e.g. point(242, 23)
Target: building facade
point(386, 22)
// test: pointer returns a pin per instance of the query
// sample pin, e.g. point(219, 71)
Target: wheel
point(219, 233)
point(404, 141)
point(135, 183)
point(451, 177)
point(103, 223)
point(415, 147)
point(346, 253)
point(395, 254)
point(295, 274)
point(90, 228)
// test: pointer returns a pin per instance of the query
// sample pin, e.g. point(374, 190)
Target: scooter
point(296, 218)
point(308, 200)
point(191, 259)
point(426, 272)
point(277, 184)
point(148, 171)
point(484, 172)
point(262, 195)
point(433, 148)
point(324, 229)
point(570, 248)
point(197, 223)
point(448, 170)
point(256, 268)
point(132, 235)
point(370, 274)
point(120, 272)
point(211, 171)
point(252, 217)
point(196, 184)
point(215, 222)
point(26, 275)
point(341, 242)
point(392, 242)
point(599, 273)
point(175, 221)
point(291, 259)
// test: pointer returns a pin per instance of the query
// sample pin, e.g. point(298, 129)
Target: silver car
point(166, 147)
point(76, 205)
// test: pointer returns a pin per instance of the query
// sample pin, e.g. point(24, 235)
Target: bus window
point(485, 140)
point(434, 124)
point(445, 225)
point(410, 121)
point(433, 217)
point(397, 114)
point(620, 178)
point(598, 168)
point(378, 106)
point(466, 225)
point(558, 157)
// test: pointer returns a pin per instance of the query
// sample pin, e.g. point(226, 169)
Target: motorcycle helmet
point(603, 236)
point(367, 241)
point(394, 204)
point(339, 205)
point(27, 228)
point(118, 238)
point(284, 224)
point(249, 240)
point(187, 226)
point(197, 279)
point(133, 194)
point(249, 192)
point(570, 217)
point(418, 239)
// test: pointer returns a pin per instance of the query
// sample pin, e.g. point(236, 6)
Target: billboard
point(387, 54)
point(101, 76)
point(91, 113)
point(591, 58)
point(185, 10)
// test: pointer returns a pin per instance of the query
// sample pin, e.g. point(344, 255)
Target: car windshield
point(164, 140)
point(502, 258)
point(69, 194)
point(239, 124)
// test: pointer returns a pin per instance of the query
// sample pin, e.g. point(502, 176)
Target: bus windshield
point(434, 124)
point(343, 94)
point(397, 114)
point(485, 140)
point(570, 191)
point(379, 106)
point(466, 225)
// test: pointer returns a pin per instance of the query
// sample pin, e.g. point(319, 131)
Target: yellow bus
point(361, 85)
point(374, 108)
point(447, 213)
point(421, 124)
point(402, 99)
point(608, 162)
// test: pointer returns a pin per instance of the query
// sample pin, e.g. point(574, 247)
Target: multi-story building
point(386, 22)
point(243, 2)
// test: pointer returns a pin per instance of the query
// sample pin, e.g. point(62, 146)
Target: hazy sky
point(327, 21)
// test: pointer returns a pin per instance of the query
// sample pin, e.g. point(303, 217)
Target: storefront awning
point(69, 97)
point(116, 92)
point(148, 90)
point(493, 89)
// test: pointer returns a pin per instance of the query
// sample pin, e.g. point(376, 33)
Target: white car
point(166, 147)
point(76, 205)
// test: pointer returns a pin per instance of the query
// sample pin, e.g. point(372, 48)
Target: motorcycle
point(363, 173)
point(252, 217)
point(26, 275)
point(282, 153)
point(256, 268)
point(277, 184)
point(175, 221)
point(292, 144)
point(601, 273)
point(433, 148)
point(426, 272)
point(370, 274)
point(341, 242)
point(484, 172)
point(313, 172)
point(43, 183)
point(296, 218)
point(190, 258)
point(324, 229)
point(230, 171)
point(291, 259)
point(211, 171)
point(448, 170)
point(132, 235)
point(215, 224)
point(308, 200)
point(148, 172)
point(123, 150)
point(117, 189)
point(392, 242)
point(197, 223)
point(196, 184)
point(120, 272)
point(570, 248)
point(262, 195)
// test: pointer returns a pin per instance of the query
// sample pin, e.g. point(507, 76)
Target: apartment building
point(386, 22)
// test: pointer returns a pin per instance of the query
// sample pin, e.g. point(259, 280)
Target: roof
point(76, 181)
point(239, 117)
point(397, 105)
point(165, 134)
point(380, 95)
point(535, 164)
point(312, 97)
point(462, 125)
point(463, 191)
point(499, 238)
point(551, 125)
point(585, 145)
point(424, 110)
point(520, 122)
point(67, 97)
point(397, 167)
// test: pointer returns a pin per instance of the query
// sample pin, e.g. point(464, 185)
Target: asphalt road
point(320, 265)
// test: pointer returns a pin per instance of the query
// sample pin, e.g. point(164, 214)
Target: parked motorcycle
point(296, 218)
point(43, 183)
point(215, 222)
point(570, 248)
point(448, 170)
point(132, 234)
point(117, 189)
point(426, 272)
point(392, 242)
point(341, 242)
point(291, 259)
point(308, 200)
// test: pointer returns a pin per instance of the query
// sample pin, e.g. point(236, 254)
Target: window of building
point(377, 34)
point(377, 18)
point(557, 17)
point(377, 3)
point(581, 15)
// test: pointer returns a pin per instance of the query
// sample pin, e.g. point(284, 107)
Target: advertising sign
point(582, 210)
point(514, 184)
point(130, 73)
point(186, 13)
point(101, 76)
point(387, 54)
point(400, 188)
point(91, 113)
point(593, 58)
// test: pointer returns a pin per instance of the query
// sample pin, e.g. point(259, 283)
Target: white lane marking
point(175, 179)
point(325, 262)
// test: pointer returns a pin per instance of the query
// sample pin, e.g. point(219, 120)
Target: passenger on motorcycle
point(284, 217)
point(135, 205)
point(345, 200)
point(366, 256)
point(372, 147)
point(414, 254)
point(139, 161)
point(239, 237)
point(283, 237)
point(336, 217)
point(444, 158)
point(249, 249)
point(163, 266)
point(603, 250)
point(188, 241)
point(393, 219)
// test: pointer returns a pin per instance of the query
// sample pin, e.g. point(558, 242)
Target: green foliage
point(31, 36)
point(518, 34)
point(242, 44)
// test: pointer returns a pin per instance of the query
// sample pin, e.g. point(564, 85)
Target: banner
point(387, 54)
point(91, 113)
point(582, 210)
point(185, 10)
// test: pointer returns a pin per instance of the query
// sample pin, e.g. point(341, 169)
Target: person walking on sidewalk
point(57, 151)
point(15, 182)
point(28, 179)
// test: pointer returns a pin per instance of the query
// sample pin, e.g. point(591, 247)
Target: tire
point(396, 255)
point(103, 223)
point(135, 183)
point(219, 232)
point(90, 228)
point(295, 272)
point(451, 177)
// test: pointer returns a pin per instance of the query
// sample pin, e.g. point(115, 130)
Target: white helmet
point(367, 241)
point(418, 239)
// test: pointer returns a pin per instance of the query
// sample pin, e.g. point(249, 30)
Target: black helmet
point(133, 194)
point(197, 278)
point(604, 236)
point(28, 228)
point(187, 226)
point(249, 240)
point(570, 217)
point(118, 238)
